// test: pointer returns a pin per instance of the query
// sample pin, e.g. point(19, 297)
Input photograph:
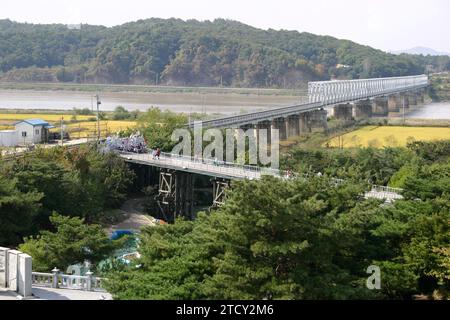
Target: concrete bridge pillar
point(303, 125)
point(412, 99)
point(404, 101)
point(267, 126)
point(281, 125)
point(394, 103)
point(380, 106)
point(317, 119)
point(343, 112)
point(251, 127)
point(363, 109)
point(293, 123)
point(421, 97)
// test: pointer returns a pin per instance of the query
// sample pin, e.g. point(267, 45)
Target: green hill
point(178, 52)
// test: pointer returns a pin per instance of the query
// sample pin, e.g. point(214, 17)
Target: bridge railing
point(208, 164)
point(255, 117)
point(337, 91)
point(66, 281)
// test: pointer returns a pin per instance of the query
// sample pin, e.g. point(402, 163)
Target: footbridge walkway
point(176, 170)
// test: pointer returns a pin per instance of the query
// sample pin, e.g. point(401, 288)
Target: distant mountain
point(423, 51)
point(191, 53)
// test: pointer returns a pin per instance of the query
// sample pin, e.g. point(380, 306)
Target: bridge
point(349, 98)
point(176, 186)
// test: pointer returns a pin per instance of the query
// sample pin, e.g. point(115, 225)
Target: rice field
point(44, 116)
point(388, 136)
point(88, 129)
point(78, 126)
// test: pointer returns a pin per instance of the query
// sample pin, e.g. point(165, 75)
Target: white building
point(8, 138)
point(30, 131)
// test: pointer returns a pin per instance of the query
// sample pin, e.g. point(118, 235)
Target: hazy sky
point(384, 24)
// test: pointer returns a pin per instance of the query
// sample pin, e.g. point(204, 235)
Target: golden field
point(79, 126)
point(44, 116)
point(85, 129)
point(391, 136)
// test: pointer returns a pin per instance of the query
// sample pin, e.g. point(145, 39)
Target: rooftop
point(34, 122)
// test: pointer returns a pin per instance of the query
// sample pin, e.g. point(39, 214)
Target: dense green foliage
point(79, 182)
point(179, 52)
point(440, 87)
point(72, 243)
point(157, 127)
point(308, 238)
point(17, 211)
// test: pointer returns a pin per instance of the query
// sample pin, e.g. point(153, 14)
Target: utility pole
point(62, 130)
point(98, 116)
point(403, 110)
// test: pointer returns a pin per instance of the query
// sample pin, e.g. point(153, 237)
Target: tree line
point(177, 52)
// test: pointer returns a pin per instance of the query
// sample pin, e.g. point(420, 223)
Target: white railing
point(212, 167)
point(66, 281)
point(209, 166)
point(258, 116)
point(42, 279)
point(332, 92)
point(389, 194)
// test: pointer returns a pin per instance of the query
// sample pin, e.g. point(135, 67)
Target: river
point(438, 110)
point(223, 103)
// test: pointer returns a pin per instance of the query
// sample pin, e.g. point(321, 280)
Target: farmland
point(78, 126)
point(383, 136)
point(86, 129)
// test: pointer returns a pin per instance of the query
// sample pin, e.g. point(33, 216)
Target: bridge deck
point(205, 167)
point(236, 172)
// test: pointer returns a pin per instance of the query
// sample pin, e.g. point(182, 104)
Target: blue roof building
point(32, 131)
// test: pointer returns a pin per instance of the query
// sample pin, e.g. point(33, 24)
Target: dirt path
point(134, 216)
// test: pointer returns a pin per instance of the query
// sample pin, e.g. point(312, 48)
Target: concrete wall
point(8, 138)
point(3, 267)
point(15, 271)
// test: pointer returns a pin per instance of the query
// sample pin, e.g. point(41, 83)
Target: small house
point(32, 131)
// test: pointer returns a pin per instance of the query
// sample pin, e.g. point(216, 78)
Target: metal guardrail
point(215, 168)
point(210, 166)
point(255, 117)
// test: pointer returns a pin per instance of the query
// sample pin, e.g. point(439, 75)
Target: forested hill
point(178, 52)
